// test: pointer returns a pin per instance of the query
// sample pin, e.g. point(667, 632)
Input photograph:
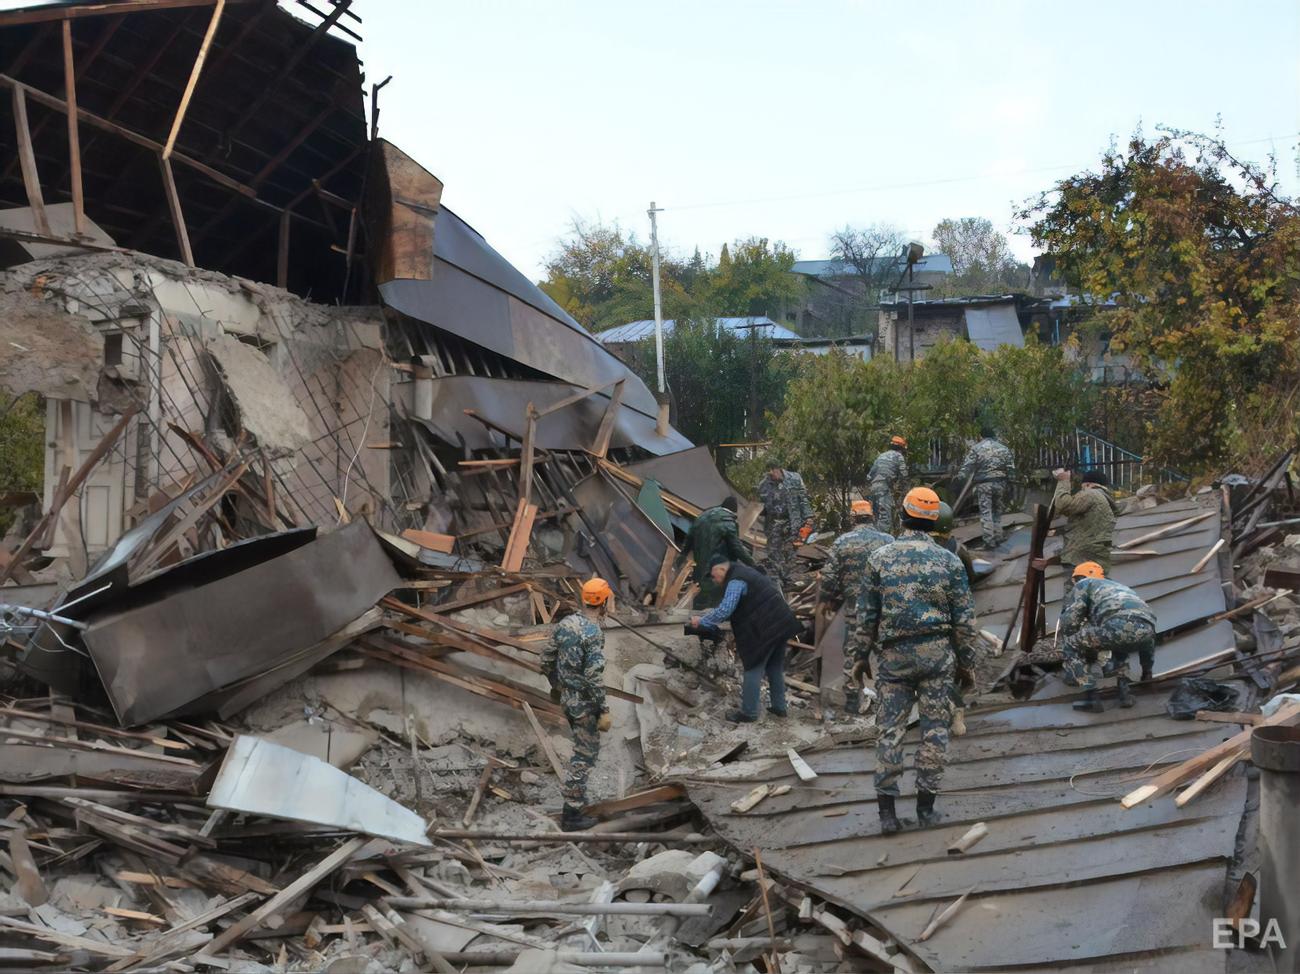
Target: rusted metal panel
point(1064, 866)
point(156, 657)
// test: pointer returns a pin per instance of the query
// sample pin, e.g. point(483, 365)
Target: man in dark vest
point(762, 624)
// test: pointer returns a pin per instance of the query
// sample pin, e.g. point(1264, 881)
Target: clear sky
point(790, 119)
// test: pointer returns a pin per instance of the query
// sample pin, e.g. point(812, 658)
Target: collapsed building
point(318, 464)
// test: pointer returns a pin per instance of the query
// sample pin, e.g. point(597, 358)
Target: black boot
point(853, 701)
point(888, 817)
point(574, 821)
point(925, 813)
point(1125, 695)
point(1089, 704)
point(1146, 673)
point(740, 717)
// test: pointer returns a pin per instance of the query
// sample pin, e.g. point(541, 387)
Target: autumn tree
point(1201, 255)
point(752, 277)
point(982, 262)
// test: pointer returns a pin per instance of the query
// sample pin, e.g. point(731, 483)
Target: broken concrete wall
point(238, 364)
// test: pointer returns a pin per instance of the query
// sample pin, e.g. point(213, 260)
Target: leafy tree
point(1032, 396)
point(982, 262)
point(752, 278)
point(722, 383)
point(1202, 257)
point(602, 276)
point(942, 396)
point(836, 412)
point(22, 449)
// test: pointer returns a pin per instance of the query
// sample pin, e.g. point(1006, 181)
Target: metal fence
point(1079, 451)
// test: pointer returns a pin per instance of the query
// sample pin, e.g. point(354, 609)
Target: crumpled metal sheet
point(503, 402)
point(689, 474)
point(265, 778)
point(473, 309)
point(159, 656)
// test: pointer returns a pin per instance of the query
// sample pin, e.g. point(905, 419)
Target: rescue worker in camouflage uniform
point(786, 512)
point(916, 608)
point(574, 664)
point(943, 535)
point(841, 581)
point(886, 481)
point(1101, 618)
point(990, 466)
point(1090, 521)
point(715, 532)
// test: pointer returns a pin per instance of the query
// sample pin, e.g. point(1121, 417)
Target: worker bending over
point(1101, 618)
point(886, 481)
point(841, 584)
point(574, 664)
point(762, 624)
point(916, 608)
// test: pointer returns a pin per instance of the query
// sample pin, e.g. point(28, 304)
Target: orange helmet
point(898, 441)
point(923, 503)
point(596, 591)
point(861, 508)
point(1089, 569)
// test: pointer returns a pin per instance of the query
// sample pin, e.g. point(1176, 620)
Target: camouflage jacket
point(786, 498)
point(574, 663)
point(914, 589)
point(889, 470)
point(988, 460)
point(847, 565)
point(1090, 523)
point(715, 532)
point(1094, 601)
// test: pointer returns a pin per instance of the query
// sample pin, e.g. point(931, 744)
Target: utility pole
point(911, 330)
point(662, 425)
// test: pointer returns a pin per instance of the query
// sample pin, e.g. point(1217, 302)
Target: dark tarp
point(157, 657)
point(504, 401)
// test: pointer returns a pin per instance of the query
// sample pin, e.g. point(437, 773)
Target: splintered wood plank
point(521, 534)
point(27, 160)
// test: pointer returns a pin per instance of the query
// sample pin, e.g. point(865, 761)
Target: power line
point(884, 187)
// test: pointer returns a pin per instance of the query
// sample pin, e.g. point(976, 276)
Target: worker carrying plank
point(841, 582)
point(1101, 618)
point(885, 482)
point(917, 610)
point(574, 664)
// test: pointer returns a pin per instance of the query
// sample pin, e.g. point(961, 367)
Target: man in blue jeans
point(762, 624)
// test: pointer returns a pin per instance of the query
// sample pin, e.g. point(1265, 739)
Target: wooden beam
point(194, 78)
point(74, 140)
point(600, 446)
point(27, 158)
point(82, 10)
point(526, 462)
point(520, 534)
point(577, 397)
point(304, 884)
point(58, 104)
point(282, 250)
point(178, 216)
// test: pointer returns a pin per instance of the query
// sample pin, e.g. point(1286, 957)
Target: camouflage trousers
point(882, 509)
point(1088, 650)
point(857, 647)
point(932, 696)
point(991, 496)
point(780, 549)
point(586, 748)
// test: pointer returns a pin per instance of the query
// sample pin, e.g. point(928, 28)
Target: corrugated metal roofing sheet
point(929, 264)
point(635, 331)
point(1066, 876)
point(994, 325)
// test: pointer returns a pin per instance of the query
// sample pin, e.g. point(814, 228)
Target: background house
point(841, 299)
point(988, 321)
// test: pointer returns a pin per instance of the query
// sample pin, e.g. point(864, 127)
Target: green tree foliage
point(839, 410)
point(722, 383)
point(1202, 257)
point(982, 262)
point(22, 449)
point(752, 277)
